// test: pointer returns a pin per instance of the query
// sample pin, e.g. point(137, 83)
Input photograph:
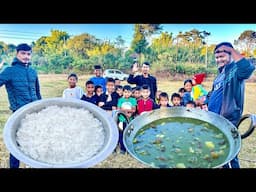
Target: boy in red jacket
point(145, 103)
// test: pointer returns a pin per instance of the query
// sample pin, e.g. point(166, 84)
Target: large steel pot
point(13, 123)
point(225, 126)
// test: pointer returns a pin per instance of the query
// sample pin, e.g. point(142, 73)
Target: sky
point(26, 33)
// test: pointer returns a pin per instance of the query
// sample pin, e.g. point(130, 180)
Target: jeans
point(14, 163)
point(234, 163)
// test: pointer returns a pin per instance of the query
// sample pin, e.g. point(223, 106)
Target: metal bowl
point(224, 126)
point(13, 123)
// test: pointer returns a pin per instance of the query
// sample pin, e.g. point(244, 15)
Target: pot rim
point(103, 116)
point(198, 114)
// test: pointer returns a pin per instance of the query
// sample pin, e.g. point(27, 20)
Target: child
point(187, 94)
point(145, 103)
point(108, 100)
point(119, 90)
point(157, 96)
point(176, 100)
point(163, 101)
point(74, 92)
point(98, 91)
point(117, 82)
point(204, 107)
point(188, 85)
point(190, 104)
point(127, 99)
point(90, 96)
point(136, 93)
point(181, 91)
point(127, 104)
point(98, 79)
point(198, 93)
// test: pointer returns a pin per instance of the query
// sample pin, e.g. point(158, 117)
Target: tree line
point(186, 53)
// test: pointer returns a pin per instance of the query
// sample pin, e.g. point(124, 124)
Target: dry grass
point(53, 85)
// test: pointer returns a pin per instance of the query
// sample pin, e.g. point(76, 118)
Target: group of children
point(136, 101)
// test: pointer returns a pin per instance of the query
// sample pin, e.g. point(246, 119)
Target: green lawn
point(53, 86)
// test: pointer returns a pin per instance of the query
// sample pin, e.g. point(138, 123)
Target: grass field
point(53, 86)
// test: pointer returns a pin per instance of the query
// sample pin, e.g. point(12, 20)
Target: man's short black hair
point(89, 83)
point(127, 87)
point(221, 44)
point(145, 87)
point(191, 102)
point(177, 95)
point(110, 79)
point(137, 88)
point(118, 87)
point(188, 81)
point(97, 67)
point(23, 47)
point(98, 87)
point(164, 95)
point(181, 90)
point(146, 63)
point(73, 75)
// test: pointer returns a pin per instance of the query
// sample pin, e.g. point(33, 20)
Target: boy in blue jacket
point(21, 83)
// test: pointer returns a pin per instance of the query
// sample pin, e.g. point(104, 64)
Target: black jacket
point(140, 80)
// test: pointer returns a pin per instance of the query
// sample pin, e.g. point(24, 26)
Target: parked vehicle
point(115, 73)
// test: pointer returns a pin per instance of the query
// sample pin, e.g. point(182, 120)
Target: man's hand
point(135, 68)
point(234, 54)
point(100, 104)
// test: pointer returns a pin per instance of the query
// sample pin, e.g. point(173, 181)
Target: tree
point(247, 42)
point(80, 44)
point(40, 46)
point(57, 41)
point(163, 42)
point(119, 42)
point(2, 48)
point(195, 40)
point(204, 35)
point(149, 29)
point(139, 42)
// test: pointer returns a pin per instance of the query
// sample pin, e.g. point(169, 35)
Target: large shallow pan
point(223, 125)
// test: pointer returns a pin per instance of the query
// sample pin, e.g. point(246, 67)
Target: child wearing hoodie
point(198, 92)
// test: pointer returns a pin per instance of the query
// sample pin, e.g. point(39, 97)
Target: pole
point(206, 54)
point(65, 53)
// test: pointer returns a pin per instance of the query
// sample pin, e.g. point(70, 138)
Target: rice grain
point(59, 135)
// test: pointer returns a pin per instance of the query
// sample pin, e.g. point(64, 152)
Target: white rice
point(59, 135)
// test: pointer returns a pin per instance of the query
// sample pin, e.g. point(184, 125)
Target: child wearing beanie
point(198, 92)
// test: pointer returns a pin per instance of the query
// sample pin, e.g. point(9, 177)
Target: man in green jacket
point(21, 83)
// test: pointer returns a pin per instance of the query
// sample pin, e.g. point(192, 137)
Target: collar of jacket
point(18, 62)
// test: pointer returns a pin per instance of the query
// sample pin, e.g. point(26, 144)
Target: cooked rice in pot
point(60, 135)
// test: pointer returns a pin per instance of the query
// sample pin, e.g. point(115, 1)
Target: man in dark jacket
point(21, 83)
point(227, 95)
point(144, 79)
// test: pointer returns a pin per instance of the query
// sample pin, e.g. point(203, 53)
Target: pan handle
point(252, 125)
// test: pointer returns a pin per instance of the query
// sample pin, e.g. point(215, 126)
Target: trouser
point(120, 141)
point(14, 163)
point(234, 163)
